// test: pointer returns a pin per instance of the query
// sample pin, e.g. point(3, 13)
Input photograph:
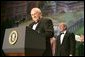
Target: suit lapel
point(65, 37)
point(58, 39)
point(39, 24)
point(31, 25)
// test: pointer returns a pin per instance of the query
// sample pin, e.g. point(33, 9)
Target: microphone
point(19, 21)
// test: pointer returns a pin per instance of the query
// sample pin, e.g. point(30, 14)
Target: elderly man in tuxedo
point(44, 26)
point(65, 42)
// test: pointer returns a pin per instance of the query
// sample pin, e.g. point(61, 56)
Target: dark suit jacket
point(68, 45)
point(45, 27)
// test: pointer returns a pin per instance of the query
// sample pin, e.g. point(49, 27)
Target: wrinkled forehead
point(35, 10)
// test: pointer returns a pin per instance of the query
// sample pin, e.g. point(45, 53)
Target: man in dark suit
point(65, 44)
point(43, 26)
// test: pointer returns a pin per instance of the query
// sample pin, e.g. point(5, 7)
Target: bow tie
point(35, 22)
point(61, 33)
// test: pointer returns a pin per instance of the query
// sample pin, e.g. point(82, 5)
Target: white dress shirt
point(34, 26)
point(62, 37)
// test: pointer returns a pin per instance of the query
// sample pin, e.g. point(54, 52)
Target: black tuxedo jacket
point(45, 27)
point(68, 45)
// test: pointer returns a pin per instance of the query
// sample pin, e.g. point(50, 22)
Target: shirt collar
point(64, 31)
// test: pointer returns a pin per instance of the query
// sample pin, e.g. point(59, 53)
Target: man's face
point(35, 15)
point(61, 27)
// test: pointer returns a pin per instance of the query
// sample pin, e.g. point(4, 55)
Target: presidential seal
point(13, 37)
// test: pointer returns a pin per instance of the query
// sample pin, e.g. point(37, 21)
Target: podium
point(23, 41)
